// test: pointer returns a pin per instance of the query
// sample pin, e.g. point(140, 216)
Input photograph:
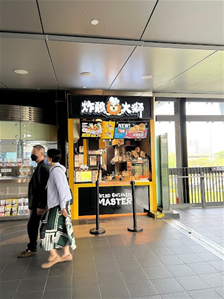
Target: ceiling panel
point(20, 16)
point(116, 68)
point(215, 88)
point(121, 19)
point(30, 55)
point(203, 76)
point(71, 59)
point(185, 21)
point(163, 64)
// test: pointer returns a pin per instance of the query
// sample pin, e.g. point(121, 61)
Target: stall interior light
point(21, 72)
point(94, 22)
point(146, 77)
point(86, 74)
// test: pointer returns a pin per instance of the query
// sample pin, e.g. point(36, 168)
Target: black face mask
point(33, 157)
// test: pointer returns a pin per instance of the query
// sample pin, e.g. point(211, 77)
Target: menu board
point(108, 130)
point(131, 130)
point(83, 176)
point(90, 129)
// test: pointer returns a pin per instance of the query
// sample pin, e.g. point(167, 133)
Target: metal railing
point(196, 185)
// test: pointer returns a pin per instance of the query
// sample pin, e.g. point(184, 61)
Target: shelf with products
point(14, 207)
point(130, 160)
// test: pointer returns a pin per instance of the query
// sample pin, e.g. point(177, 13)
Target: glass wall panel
point(164, 108)
point(205, 108)
point(169, 128)
point(205, 143)
point(18, 138)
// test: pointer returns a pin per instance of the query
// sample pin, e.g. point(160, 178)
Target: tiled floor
point(160, 262)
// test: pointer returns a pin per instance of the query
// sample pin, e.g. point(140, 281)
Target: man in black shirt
point(37, 195)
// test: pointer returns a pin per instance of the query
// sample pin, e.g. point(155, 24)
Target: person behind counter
point(56, 230)
point(37, 195)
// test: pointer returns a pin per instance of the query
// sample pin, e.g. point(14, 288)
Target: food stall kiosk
point(115, 144)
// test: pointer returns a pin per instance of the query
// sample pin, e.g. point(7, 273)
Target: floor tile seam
point(145, 274)
point(17, 287)
point(45, 284)
point(26, 268)
point(96, 272)
point(3, 269)
point(206, 243)
point(72, 276)
point(122, 275)
point(13, 232)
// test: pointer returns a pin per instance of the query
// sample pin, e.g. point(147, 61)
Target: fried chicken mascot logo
point(113, 107)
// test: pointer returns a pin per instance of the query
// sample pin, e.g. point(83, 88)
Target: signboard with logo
point(90, 129)
point(110, 107)
point(130, 130)
point(113, 200)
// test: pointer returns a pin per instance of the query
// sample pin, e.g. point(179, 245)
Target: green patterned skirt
point(56, 230)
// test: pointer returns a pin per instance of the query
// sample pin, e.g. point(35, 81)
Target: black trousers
point(33, 230)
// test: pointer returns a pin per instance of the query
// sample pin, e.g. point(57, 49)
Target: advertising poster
point(131, 130)
point(83, 176)
point(108, 130)
point(90, 129)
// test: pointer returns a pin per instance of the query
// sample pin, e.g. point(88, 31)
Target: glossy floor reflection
point(160, 262)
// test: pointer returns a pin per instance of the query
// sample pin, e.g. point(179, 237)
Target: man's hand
point(40, 211)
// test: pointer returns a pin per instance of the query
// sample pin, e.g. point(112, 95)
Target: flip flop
point(47, 265)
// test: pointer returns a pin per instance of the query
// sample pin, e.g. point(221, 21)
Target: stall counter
point(115, 198)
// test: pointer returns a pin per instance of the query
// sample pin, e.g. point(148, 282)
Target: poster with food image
point(132, 130)
point(90, 129)
point(108, 130)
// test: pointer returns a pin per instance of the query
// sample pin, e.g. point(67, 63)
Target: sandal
point(47, 265)
point(66, 258)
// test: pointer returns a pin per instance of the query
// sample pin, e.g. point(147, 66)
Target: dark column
point(183, 132)
point(183, 149)
point(62, 123)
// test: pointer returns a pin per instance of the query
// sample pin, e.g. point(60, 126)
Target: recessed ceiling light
point(86, 74)
point(94, 22)
point(21, 72)
point(146, 77)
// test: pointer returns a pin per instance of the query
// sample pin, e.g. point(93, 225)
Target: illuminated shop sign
point(113, 107)
point(110, 107)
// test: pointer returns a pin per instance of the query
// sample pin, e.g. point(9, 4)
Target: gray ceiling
point(180, 43)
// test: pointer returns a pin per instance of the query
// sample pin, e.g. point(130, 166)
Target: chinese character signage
point(131, 130)
point(110, 107)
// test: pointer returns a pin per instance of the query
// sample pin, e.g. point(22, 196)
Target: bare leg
point(66, 251)
point(52, 255)
point(53, 259)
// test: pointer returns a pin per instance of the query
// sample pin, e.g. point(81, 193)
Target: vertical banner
point(164, 172)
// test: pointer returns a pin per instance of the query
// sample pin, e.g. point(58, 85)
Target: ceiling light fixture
point(86, 74)
point(21, 72)
point(94, 22)
point(146, 77)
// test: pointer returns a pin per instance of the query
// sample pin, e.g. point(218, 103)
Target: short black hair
point(54, 154)
point(39, 147)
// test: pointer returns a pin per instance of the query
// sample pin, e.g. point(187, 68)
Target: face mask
point(33, 157)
